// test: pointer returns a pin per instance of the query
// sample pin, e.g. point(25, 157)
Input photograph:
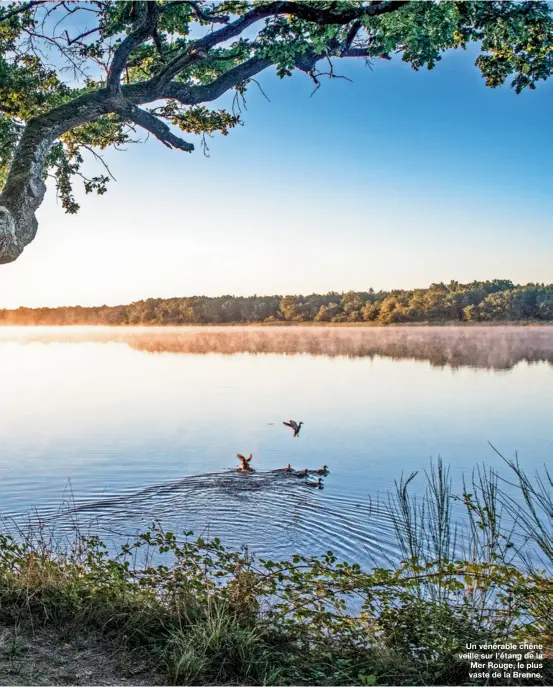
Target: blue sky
point(398, 179)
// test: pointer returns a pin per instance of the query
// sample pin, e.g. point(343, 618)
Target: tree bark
point(25, 188)
point(23, 193)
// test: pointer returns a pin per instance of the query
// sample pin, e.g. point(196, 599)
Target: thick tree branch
point(154, 125)
point(200, 47)
point(22, 8)
point(363, 52)
point(146, 26)
point(192, 95)
point(337, 15)
point(352, 33)
point(302, 10)
point(176, 66)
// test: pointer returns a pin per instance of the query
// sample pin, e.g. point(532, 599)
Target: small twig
point(256, 82)
point(204, 145)
point(331, 75)
point(236, 105)
point(99, 158)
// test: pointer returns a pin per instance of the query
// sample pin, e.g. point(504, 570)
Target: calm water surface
point(132, 425)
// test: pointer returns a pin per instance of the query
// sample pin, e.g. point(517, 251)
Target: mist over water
point(497, 348)
point(122, 426)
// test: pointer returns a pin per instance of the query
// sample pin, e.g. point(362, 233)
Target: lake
point(132, 425)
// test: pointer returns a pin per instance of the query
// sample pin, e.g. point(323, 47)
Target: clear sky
point(398, 179)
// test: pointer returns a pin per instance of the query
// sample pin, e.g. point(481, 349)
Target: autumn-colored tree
point(482, 302)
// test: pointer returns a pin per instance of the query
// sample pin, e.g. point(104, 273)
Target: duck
point(288, 468)
point(244, 462)
point(318, 484)
point(301, 473)
point(321, 471)
point(294, 425)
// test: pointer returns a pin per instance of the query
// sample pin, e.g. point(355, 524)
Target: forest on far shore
point(498, 300)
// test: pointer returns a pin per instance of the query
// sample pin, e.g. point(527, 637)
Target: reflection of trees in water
point(498, 348)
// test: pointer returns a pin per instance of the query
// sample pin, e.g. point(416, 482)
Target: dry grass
point(46, 657)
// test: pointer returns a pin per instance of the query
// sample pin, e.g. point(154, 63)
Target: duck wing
point(288, 424)
point(241, 457)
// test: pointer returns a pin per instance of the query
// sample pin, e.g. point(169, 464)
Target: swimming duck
point(318, 484)
point(294, 425)
point(301, 473)
point(321, 471)
point(288, 468)
point(244, 462)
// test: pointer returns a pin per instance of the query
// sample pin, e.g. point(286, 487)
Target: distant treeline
point(490, 301)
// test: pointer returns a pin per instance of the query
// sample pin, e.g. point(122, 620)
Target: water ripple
point(275, 515)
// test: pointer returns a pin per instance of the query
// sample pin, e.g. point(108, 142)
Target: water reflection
point(498, 348)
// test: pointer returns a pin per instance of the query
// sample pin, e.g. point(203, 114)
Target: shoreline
point(322, 325)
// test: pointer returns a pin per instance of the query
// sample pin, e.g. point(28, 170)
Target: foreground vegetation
point(492, 301)
point(206, 615)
